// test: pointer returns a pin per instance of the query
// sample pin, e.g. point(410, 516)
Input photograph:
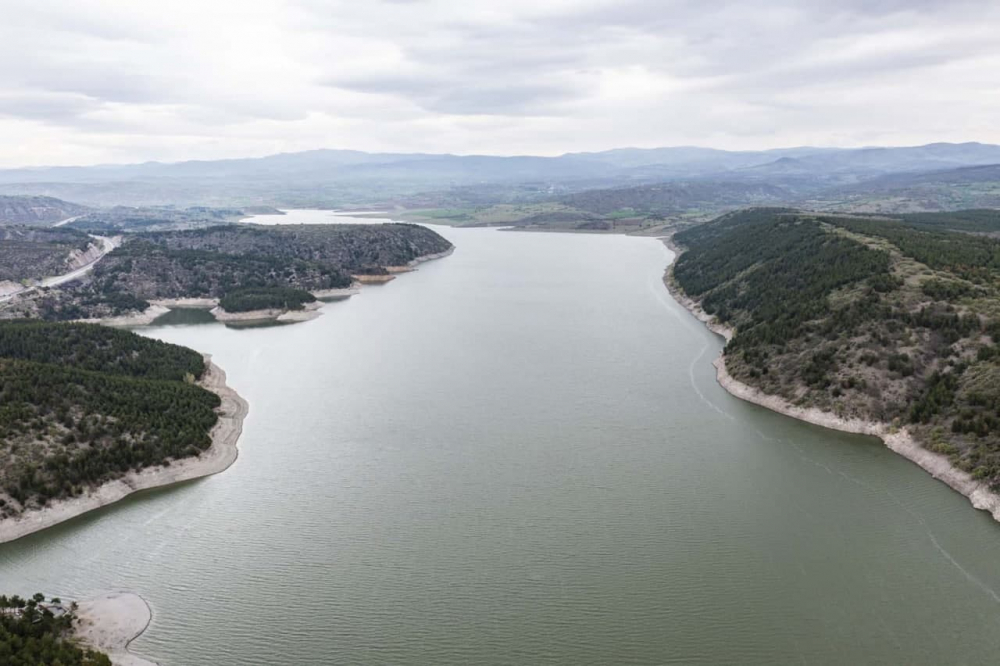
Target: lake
point(519, 454)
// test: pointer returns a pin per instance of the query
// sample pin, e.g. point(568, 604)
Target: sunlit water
point(519, 455)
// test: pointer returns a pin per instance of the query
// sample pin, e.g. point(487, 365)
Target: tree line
point(265, 298)
point(31, 634)
point(81, 405)
point(822, 318)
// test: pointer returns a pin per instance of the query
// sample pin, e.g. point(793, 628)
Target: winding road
point(108, 243)
point(66, 221)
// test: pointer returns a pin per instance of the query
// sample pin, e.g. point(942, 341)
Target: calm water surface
point(519, 455)
point(301, 216)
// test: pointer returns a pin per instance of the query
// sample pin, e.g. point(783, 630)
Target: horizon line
point(493, 155)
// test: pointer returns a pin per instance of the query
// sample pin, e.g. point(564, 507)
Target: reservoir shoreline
point(218, 457)
point(111, 622)
point(158, 308)
point(898, 440)
point(541, 385)
point(223, 451)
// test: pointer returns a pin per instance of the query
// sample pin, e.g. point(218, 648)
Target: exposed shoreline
point(218, 457)
point(897, 440)
point(339, 293)
point(111, 622)
point(308, 311)
point(413, 263)
point(144, 318)
point(160, 307)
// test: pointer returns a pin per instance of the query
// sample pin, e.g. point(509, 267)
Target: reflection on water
point(184, 317)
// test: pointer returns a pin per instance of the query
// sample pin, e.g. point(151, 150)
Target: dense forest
point(983, 220)
point(973, 257)
point(265, 298)
point(231, 262)
point(351, 248)
point(82, 404)
point(108, 350)
point(151, 270)
point(78, 300)
point(894, 320)
point(38, 632)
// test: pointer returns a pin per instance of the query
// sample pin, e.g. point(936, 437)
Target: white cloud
point(84, 81)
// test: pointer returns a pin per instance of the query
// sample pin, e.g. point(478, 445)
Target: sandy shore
point(218, 457)
point(373, 279)
point(393, 271)
point(111, 622)
point(690, 304)
point(333, 294)
point(898, 440)
point(144, 318)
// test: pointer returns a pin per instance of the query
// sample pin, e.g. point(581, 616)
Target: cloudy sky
point(93, 81)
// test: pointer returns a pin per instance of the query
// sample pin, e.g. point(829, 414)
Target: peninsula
point(240, 272)
point(885, 326)
point(93, 414)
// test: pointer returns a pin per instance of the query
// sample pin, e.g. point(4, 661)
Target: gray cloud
point(49, 107)
point(101, 79)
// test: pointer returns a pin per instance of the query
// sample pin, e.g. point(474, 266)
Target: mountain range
point(346, 177)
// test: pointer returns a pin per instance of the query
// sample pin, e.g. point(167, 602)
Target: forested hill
point(230, 261)
point(892, 320)
point(82, 404)
point(98, 349)
point(352, 248)
point(219, 261)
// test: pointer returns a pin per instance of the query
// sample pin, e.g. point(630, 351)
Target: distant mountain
point(37, 210)
point(341, 177)
point(672, 198)
point(688, 161)
point(935, 156)
point(952, 189)
point(987, 174)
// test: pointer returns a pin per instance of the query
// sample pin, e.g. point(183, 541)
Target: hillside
point(37, 210)
point(229, 260)
point(120, 219)
point(894, 321)
point(37, 252)
point(673, 198)
point(640, 209)
point(216, 261)
point(354, 248)
point(948, 190)
point(81, 405)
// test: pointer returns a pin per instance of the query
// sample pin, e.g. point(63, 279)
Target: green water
point(519, 455)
